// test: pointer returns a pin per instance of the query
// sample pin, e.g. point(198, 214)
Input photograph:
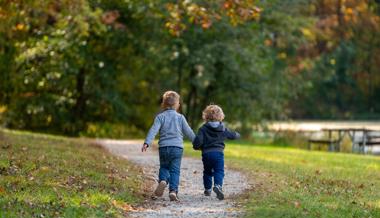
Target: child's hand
point(144, 147)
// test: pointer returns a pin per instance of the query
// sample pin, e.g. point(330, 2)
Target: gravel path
point(192, 201)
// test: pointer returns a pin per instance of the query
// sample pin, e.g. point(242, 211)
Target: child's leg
point(207, 171)
point(218, 158)
point(218, 168)
point(163, 174)
point(174, 168)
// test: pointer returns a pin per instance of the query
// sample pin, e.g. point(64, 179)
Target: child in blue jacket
point(210, 139)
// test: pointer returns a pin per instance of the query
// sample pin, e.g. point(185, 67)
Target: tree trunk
point(179, 74)
point(340, 15)
point(80, 104)
point(191, 98)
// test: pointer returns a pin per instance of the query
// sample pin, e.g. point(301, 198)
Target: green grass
point(49, 176)
point(290, 182)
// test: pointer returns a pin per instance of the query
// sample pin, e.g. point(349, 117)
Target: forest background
point(99, 67)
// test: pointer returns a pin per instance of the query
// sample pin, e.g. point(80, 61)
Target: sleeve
point(153, 131)
point(231, 134)
point(198, 141)
point(189, 133)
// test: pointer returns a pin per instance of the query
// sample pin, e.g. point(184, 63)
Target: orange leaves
point(206, 24)
point(124, 206)
point(195, 13)
point(20, 26)
point(2, 190)
point(227, 5)
point(2, 13)
point(174, 23)
point(3, 109)
point(241, 11)
point(185, 11)
point(110, 18)
point(175, 27)
point(341, 20)
point(297, 204)
point(308, 33)
point(268, 42)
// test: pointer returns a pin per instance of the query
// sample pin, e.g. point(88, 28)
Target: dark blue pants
point(170, 165)
point(213, 165)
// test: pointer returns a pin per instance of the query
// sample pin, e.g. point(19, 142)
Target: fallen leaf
point(44, 168)
point(122, 205)
point(297, 204)
point(2, 190)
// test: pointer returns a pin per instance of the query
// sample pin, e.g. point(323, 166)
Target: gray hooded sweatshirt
point(171, 126)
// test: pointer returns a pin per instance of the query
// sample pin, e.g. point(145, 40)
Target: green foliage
point(66, 65)
point(344, 77)
point(111, 130)
point(50, 176)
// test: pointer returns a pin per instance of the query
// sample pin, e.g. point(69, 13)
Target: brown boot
point(173, 196)
point(160, 188)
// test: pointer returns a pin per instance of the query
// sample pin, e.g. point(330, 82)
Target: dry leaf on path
point(297, 204)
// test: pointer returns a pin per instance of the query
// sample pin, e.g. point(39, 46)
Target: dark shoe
point(219, 192)
point(173, 196)
point(160, 188)
point(207, 192)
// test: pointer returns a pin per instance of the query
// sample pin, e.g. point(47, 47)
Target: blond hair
point(213, 113)
point(170, 100)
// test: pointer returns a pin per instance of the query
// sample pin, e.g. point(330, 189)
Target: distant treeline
point(99, 67)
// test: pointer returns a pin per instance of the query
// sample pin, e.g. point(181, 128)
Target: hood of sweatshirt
point(215, 126)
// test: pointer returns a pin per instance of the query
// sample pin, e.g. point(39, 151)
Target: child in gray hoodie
point(171, 126)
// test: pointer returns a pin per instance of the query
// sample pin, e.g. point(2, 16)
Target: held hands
point(144, 147)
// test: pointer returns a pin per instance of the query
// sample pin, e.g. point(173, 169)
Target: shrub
point(112, 130)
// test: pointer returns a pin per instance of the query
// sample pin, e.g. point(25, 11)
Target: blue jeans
point(213, 166)
point(170, 165)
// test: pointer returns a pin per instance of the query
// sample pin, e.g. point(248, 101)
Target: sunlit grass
point(53, 176)
point(291, 182)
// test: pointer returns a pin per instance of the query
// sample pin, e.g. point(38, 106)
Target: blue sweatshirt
point(211, 137)
point(172, 126)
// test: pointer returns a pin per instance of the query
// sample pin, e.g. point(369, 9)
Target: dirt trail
point(192, 201)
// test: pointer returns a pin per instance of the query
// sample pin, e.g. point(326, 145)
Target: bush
point(3, 109)
point(290, 138)
point(112, 130)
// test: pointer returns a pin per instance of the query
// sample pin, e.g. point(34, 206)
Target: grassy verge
point(290, 182)
point(49, 176)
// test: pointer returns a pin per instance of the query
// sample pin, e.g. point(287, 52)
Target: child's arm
point(153, 132)
point(231, 134)
point(198, 141)
point(189, 133)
